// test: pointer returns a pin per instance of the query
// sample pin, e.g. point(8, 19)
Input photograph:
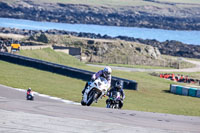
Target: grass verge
point(133, 66)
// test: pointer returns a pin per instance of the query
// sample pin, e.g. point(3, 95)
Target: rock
point(151, 51)
point(40, 37)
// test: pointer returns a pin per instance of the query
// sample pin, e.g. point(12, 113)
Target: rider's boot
point(107, 103)
point(83, 91)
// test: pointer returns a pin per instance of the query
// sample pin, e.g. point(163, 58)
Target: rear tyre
point(117, 106)
point(29, 97)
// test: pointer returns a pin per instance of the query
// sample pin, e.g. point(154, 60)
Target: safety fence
point(60, 69)
point(186, 91)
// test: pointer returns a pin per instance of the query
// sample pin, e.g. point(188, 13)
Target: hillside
point(163, 14)
point(111, 51)
point(66, 38)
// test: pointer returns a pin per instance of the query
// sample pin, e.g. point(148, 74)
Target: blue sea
point(188, 37)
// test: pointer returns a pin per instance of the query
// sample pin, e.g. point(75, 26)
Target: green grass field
point(112, 3)
point(135, 66)
point(118, 3)
point(40, 81)
point(121, 2)
point(152, 96)
point(181, 1)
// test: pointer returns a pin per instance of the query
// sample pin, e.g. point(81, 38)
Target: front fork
point(86, 94)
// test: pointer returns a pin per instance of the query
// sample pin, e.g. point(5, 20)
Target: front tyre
point(116, 106)
point(91, 97)
point(83, 103)
point(108, 105)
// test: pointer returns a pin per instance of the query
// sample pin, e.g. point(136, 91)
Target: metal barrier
point(60, 69)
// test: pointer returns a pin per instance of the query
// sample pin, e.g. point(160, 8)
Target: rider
point(106, 73)
point(29, 91)
point(119, 88)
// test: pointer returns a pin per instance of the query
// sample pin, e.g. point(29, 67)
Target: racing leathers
point(122, 95)
point(97, 75)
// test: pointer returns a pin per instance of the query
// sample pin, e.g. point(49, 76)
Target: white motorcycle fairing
point(94, 91)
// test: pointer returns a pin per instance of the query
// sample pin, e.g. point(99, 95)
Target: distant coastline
point(187, 37)
point(144, 16)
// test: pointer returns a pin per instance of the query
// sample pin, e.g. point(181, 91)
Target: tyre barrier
point(186, 91)
point(60, 69)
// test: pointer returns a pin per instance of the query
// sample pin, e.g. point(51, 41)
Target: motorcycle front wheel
point(91, 97)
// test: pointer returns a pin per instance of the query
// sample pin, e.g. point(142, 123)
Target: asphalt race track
point(44, 115)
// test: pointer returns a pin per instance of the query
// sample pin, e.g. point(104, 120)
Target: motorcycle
point(114, 100)
point(30, 96)
point(95, 90)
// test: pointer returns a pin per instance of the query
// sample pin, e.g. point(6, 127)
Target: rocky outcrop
point(134, 16)
point(110, 51)
point(173, 48)
point(169, 47)
point(8, 41)
point(40, 37)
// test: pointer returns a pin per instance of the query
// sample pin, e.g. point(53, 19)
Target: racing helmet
point(29, 89)
point(119, 84)
point(107, 71)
